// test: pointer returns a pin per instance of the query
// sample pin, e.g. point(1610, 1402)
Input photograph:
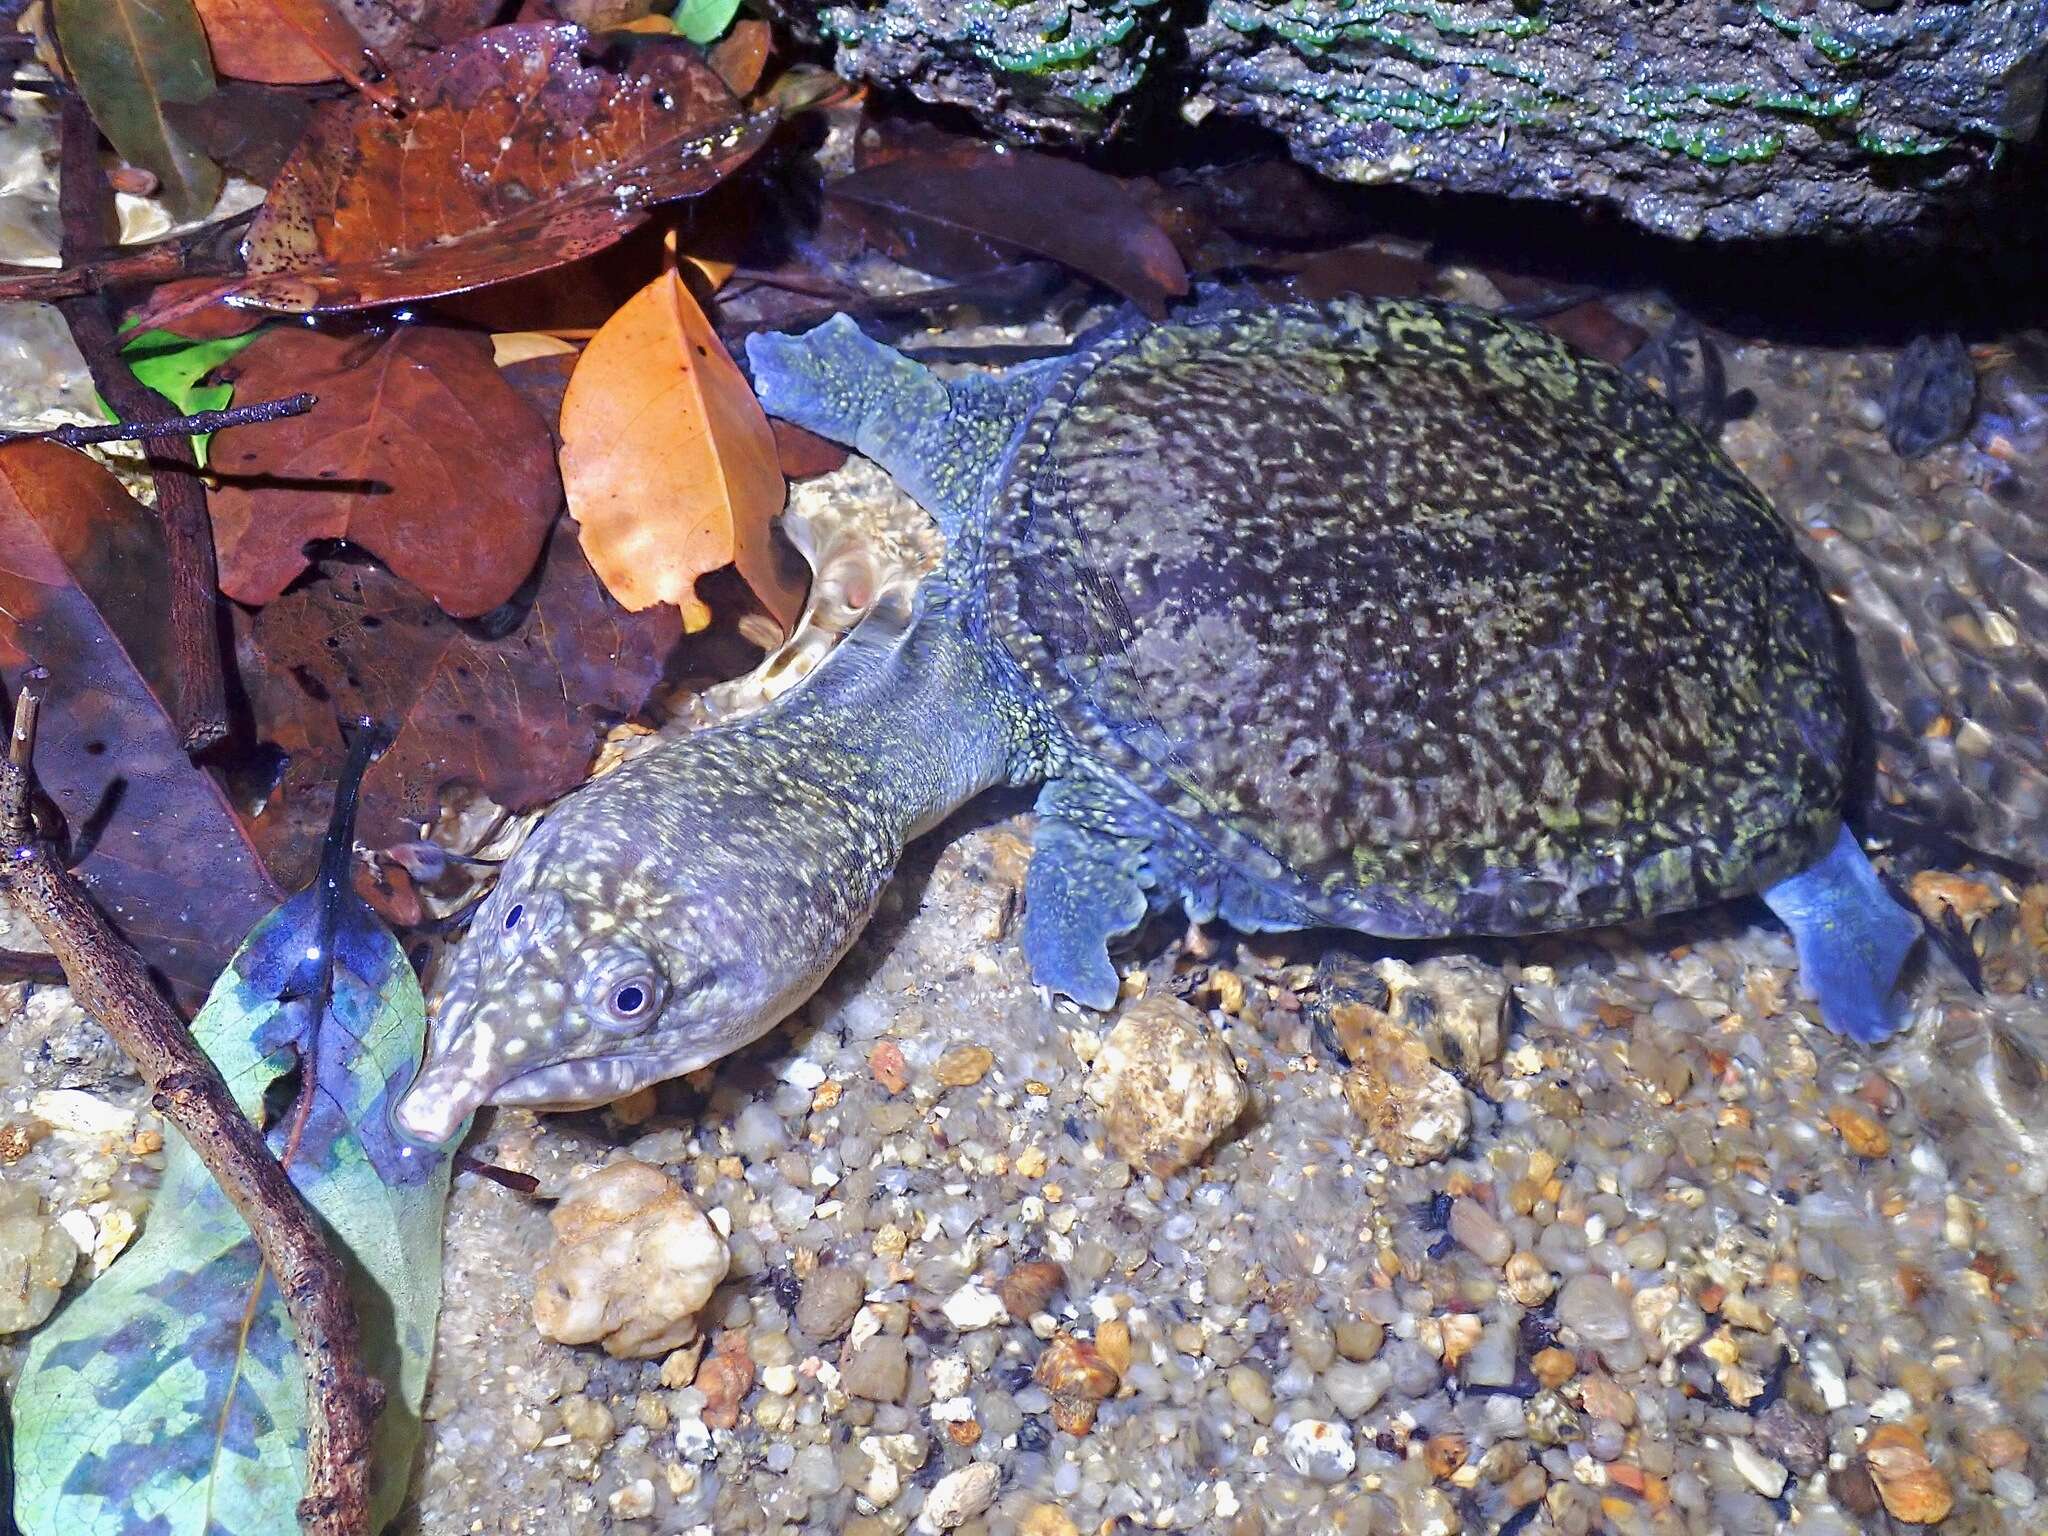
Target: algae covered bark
point(1693, 117)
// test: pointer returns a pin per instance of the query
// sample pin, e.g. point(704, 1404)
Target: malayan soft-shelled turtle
point(1390, 616)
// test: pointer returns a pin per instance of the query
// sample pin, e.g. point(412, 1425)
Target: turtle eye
point(631, 998)
point(512, 917)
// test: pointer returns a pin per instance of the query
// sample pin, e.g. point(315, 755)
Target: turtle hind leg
point(1083, 889)
point(1852, 938)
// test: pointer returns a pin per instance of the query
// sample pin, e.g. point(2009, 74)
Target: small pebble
point(1320, 1450)
point(1166, 1083)
point(962, 1066)
point(1913, 1488)
point(959, 1496)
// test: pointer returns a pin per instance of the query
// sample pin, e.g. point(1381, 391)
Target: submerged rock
point(37, 1257)
point(634, 1262)
point(1166, 1083)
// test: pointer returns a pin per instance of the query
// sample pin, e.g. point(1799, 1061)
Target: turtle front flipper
point(1852, 939)
point(940, 442)
point(1085, 887)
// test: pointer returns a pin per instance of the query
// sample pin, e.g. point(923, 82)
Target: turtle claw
point(1081, 891)
point(1853, 940)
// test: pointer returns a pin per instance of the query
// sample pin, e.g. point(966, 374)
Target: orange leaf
point(282, 42)
point(669, 462)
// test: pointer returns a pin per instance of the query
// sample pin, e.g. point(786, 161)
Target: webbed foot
point(1852, 940)
point(1082, 890)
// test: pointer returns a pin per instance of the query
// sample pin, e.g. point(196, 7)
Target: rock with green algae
point(1694, 118)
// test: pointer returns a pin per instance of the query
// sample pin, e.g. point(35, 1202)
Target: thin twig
point(145, 264)
point(198, 691)
point(175, 426)
point(110, 983)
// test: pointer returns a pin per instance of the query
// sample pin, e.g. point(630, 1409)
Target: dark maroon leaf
point(521, 148)
point(417, 450)
point(84, 589)
point(516, 715)
point(958, 214)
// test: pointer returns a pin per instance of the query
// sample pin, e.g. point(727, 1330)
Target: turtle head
point(556, 1000)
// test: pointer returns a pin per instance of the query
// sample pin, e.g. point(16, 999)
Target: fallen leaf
point(83, 592)
point(418, 451)
point(705, 21)
point(170, 1395)
point(130, 58)
point(173, 365)
point(804, 455)
point(281, 42)
point(250, 129)
point(515, 715)
point(931, 209)
point(391, 26)
point(524, 147)
point(669, 463)
point(741, 55)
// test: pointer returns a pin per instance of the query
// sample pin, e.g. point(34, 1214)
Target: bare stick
point(110, 983)
point(174, 426)
point(147, 264)
point(199, 692)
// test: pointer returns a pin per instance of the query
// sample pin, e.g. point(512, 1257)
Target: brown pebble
point(962, 1066)
point(1553, 1366)
point(15, 1142)
point(1029, 1288)
point(1999, 1446)
point(1076, 1375)
point(1046, 1520)
point(1444, 1454)
point(964, 1432)
point(1860, 1131)
point(1113, 1340)
point(1850, 1486)
point(887, 1067)
point(725, 1378)
point(1913, 1488)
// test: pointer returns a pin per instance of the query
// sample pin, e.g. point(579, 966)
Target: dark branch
point(199, 691)
point(174, 426)
point(111, 984)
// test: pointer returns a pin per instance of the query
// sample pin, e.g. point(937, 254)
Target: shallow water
point(1760, 1244)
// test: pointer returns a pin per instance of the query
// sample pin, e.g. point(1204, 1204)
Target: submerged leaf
point(173, 365)
point(959, 209)
point(417, 450)
point(131, 59)
point(516, 715)
point(281, 42)
point(169, 1398)
point(83, 584)
point(705, 21)
point(669, 462)
point(521, 148)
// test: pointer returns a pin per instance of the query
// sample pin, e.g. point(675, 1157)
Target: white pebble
point(1319, 1449)
point(959, 1496)
point(1763, 1474)
point(974, 1306)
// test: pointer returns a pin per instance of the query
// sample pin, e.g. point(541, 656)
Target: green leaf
point(167, 1399)
point(173, 365)
point(705, 21)
point(130, 58)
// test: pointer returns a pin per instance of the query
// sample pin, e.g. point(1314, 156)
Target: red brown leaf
point(281, 42)
point(524, 147)
point(932, 207)
point(83, 578)
point(517, 717)
point(418, 451)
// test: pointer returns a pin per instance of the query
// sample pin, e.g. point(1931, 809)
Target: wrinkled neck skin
point(736, 864)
